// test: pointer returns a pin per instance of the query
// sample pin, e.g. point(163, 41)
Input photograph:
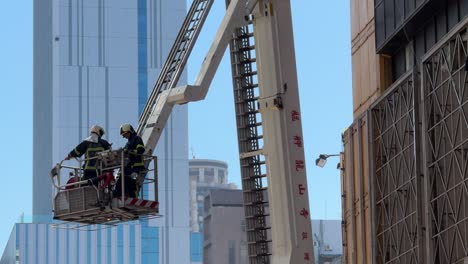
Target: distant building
point(224, 234)
point(328, 246)
point(205, 175)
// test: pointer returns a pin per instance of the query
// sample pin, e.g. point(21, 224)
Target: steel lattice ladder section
point(177, 58)
point(249, 133)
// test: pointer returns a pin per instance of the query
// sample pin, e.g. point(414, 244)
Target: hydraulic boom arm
point(276, 106)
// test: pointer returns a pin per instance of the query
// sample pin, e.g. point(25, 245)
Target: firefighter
point(89, 147)
point(135, 149)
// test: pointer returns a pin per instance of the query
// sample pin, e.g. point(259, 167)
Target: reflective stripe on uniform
point(77, 152)
point(138, 164)
point(87, 165)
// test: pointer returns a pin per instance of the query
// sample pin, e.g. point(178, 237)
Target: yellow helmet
point(126, 128)
point(97, 130)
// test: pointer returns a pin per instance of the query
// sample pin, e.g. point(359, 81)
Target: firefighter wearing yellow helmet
point(89, 147)
point(135, 149)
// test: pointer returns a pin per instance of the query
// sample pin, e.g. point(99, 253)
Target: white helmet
point(97, 130)
point(126, 128)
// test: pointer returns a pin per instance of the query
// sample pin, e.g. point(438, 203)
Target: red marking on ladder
point(298, 141)
point(295, 116)
point(301, 189)
point(300, 165)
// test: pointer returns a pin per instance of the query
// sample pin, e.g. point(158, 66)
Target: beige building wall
point(369, 70)
point(355, 184)
point(371, 75)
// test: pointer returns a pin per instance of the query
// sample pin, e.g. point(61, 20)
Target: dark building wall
point(407, 27)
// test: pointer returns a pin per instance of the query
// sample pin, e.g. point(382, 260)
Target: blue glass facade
point(196, 247)
point(45, 243)
point(150, 244)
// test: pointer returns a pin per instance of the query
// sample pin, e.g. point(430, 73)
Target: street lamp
point(322, 159)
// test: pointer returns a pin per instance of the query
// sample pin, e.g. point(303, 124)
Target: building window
point(232, 252)
point(194, 172)
point(209, 175)
point(221, 176)
point(243, 226)
point(243, 252)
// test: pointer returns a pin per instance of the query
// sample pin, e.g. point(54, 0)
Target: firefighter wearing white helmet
point(135, 149)
point(89, 147)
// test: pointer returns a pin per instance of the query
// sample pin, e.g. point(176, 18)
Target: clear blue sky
point(322, 40)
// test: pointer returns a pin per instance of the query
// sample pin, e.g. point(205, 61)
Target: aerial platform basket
point(82, 201)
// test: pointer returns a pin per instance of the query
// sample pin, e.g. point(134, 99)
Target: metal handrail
point(56, 171)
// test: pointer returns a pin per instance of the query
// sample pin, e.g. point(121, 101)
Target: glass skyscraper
point(95, 62)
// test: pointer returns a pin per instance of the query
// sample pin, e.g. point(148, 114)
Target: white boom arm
point(235, 17)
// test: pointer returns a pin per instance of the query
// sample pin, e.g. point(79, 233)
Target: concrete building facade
point(224, 234)
point(205, 175)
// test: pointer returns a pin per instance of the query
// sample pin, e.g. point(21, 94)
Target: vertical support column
point(350, 197)
point(344, 193)
point(419, 176)
point(372, 185)
point(361, 257)
point(282, 128)
point(429, 254)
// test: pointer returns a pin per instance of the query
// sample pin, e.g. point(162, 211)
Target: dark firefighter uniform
point(89, 147)
point(135, 149)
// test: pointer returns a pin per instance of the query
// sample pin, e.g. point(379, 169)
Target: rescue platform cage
point(93, 201)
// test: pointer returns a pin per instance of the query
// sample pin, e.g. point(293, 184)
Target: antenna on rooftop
point(193, 154)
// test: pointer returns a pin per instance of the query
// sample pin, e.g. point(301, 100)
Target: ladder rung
point(247, 100)
point(247, 74)
point(251, 138)
point(256, 216)
point(255, 203)
point(255, 190)
point(242, 49)
point(256, 176)
point(248, 113)
point(244, 36)
point(250, 125)
point(258, 228)
point(260, 241)
point(243, 62)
